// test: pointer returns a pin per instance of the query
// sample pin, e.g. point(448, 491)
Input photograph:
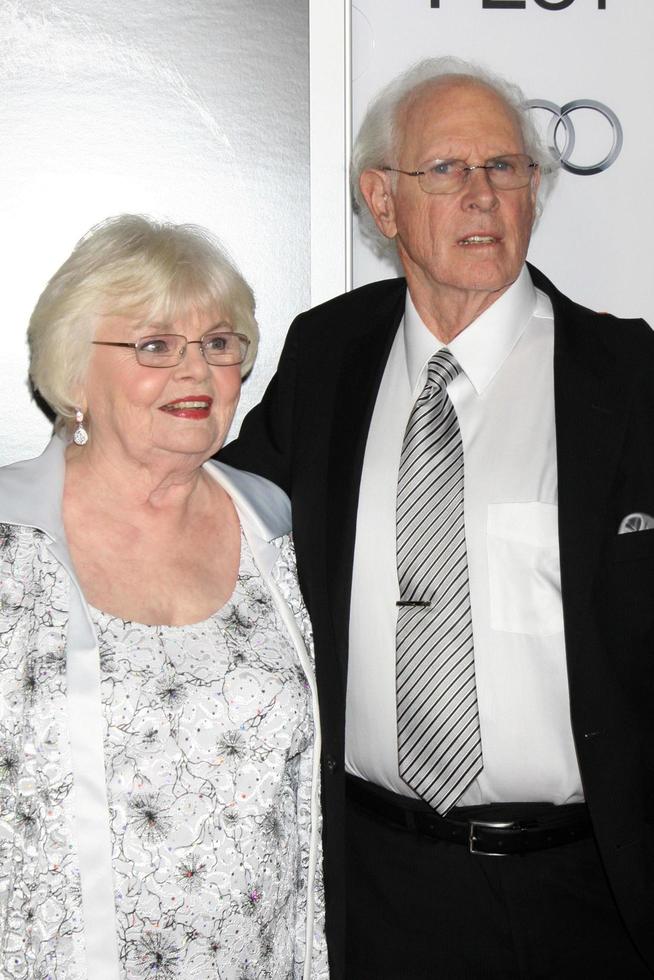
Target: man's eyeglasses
point(505, 173)
point(163, 350)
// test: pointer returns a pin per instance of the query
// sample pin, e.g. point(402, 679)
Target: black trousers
point(419, 908)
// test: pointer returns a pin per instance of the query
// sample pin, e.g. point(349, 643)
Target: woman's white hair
point(379, 140)
point(129, 265)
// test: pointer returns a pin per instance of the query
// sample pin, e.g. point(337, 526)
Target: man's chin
point(488, 279)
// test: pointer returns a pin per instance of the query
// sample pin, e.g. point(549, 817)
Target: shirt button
point(332, 764)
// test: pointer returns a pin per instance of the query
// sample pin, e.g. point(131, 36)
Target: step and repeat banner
point(586, 67)
point(188, 112)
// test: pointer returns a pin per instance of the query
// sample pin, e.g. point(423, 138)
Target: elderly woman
point(159, 736)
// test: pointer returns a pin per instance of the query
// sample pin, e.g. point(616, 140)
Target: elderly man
point(470, 457)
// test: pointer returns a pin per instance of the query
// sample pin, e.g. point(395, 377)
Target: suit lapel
point(356, 394)
point(591, 407)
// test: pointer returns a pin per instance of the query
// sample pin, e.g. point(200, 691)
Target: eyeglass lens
point(218, 347)
point(507, 172)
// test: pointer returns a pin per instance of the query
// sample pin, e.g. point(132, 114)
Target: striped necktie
point(439, 742)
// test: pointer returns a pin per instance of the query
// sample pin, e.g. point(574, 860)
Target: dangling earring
point(80, 435)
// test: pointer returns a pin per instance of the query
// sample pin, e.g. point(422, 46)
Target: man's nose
point(478, 190)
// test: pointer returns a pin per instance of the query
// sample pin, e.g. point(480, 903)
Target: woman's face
point(173, 415)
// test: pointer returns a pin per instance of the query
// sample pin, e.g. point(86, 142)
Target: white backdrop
point(199, 110)
point(190, 110)
point(594, 237)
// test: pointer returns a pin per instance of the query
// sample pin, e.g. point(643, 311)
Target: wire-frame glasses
point(506, 173)
point(219, 348)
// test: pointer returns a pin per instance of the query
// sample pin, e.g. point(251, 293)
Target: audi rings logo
point(562, 120)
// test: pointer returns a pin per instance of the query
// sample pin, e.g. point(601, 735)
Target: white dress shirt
point(504, 400)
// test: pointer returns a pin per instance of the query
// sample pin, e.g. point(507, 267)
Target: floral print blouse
point(208, 758)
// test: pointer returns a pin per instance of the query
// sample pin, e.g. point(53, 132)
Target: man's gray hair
point(379, 140)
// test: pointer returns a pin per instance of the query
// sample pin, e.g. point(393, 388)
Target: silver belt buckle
point(494, 824)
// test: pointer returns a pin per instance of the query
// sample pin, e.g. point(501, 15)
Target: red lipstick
point(191, 407)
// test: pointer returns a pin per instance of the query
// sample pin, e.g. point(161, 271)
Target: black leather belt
point(540, 827)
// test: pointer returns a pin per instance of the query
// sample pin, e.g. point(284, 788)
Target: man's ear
point(376, 188)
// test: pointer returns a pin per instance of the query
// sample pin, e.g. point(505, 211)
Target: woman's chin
point(194, 448)
point(191, 439)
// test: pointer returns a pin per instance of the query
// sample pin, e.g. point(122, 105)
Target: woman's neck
point(165, 482)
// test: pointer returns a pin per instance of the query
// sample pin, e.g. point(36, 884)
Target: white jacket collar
point(31, 491)
point(261, 504)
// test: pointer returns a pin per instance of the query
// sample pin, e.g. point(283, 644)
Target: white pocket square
point(636, 522)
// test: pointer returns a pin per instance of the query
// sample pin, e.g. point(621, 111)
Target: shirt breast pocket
point(524, 572)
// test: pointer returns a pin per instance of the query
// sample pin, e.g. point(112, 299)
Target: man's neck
point(447, 310)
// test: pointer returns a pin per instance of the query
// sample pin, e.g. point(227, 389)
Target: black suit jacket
point(308, 435)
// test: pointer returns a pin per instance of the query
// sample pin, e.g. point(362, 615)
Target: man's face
point(465, 121)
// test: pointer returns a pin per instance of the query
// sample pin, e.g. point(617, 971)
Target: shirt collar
point(484, 345)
